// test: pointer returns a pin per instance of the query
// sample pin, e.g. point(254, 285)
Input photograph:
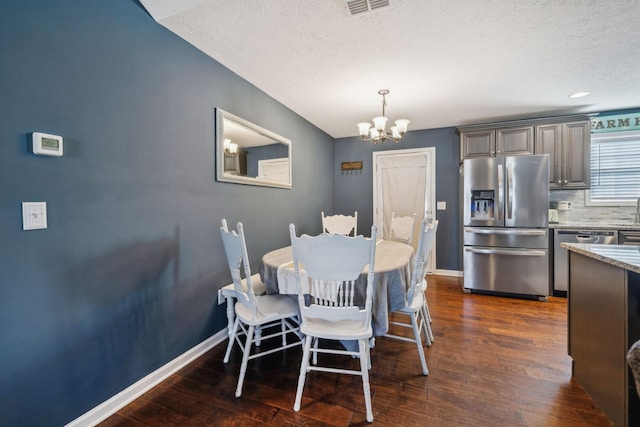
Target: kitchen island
point(603, 323)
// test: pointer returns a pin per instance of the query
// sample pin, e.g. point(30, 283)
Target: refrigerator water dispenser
point(482, 204)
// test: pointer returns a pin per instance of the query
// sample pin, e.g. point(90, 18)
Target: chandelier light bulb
point(394, 132)
point(379, 122)
point(363, 128)
point(402, 125)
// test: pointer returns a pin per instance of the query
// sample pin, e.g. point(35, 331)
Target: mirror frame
point(221, 176)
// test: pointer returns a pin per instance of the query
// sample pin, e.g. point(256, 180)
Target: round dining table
point(392, 276)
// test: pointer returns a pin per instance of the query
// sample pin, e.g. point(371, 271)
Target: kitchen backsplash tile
point(596, 214)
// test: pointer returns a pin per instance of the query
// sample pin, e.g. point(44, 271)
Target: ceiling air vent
point(359, 6)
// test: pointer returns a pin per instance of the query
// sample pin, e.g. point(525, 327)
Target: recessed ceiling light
point(579, 94)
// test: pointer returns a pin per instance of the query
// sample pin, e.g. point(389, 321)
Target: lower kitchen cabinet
point(604, 321)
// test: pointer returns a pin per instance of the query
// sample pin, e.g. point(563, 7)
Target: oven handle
point(505, 231)
point(487, 251)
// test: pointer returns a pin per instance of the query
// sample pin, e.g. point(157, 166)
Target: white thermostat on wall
point(46, 144)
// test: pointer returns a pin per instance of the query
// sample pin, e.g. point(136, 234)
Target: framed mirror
point(249, 154)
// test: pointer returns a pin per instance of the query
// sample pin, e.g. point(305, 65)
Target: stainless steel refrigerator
point(506, 242)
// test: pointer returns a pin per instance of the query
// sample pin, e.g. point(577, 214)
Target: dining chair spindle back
point(333, 304)
point(401, 229)
point(340, 224)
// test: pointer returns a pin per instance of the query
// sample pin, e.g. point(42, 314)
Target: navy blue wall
point(125, 277)
point(354, 190)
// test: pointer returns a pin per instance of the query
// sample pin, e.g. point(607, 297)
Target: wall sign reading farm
point(615, 123)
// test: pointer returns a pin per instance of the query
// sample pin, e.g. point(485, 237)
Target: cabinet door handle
point(565, 181)
point(559, 182)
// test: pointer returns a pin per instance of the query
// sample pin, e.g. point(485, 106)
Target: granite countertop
point(624, 256)
point(594, 226)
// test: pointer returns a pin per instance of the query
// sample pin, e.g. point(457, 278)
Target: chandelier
point(378, 133)
point(230, 148)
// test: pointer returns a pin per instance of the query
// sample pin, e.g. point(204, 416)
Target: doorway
point(404, 183)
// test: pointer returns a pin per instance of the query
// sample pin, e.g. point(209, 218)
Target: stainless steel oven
point(561, 255)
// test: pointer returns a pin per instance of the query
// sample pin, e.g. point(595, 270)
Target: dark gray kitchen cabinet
point(490, 142)
point(568, 146)
point(566, 139)
point(477, 143)
point(517, 141)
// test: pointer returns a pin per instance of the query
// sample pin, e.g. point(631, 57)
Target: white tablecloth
point(392, 276)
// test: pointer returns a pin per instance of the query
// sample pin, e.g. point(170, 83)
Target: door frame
point(430, 189)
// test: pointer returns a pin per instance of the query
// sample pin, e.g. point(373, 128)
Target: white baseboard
point(454, 273)
point(131, 393)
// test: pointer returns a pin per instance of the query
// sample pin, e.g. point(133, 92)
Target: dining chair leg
point(303, 372)
point(257, 331)
point(245, 360)
point(424, 326)
point(315, 353)
point(231, 312)
point(427, 315)
point(364, 370)
point(416, 334)
point(232, 339)
point(283, 327)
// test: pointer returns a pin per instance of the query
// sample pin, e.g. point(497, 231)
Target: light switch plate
point(441, 206)
point(34, 215)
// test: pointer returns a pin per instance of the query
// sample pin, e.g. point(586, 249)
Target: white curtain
point(404, 180)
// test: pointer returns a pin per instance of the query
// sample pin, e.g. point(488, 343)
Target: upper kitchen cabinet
point(565, 139)
point(516, 141)
point(567, 145)
point(478, 143)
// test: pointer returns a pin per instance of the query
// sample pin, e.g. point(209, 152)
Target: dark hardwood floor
point(495, 362)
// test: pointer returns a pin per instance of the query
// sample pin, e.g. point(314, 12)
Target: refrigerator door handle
point(500, 196)
point(509, 187)
point(489, 251)
point(506, 231)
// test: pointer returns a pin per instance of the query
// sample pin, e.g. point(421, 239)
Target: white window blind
point(615, 168)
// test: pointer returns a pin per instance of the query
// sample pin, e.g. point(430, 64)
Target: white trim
point(131, 393)
point(452, 273)
point(430, 190)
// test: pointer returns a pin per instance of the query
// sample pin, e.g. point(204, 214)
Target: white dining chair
point(340, 224)
point(428, 248)
point(255, 311)
point(228, 294)
point(416, 308)
point(401, 229)
point(332, 305)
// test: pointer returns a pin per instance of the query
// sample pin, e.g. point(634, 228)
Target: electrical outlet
point(441, 206)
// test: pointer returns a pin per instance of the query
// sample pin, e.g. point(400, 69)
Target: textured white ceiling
point(446, 62)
